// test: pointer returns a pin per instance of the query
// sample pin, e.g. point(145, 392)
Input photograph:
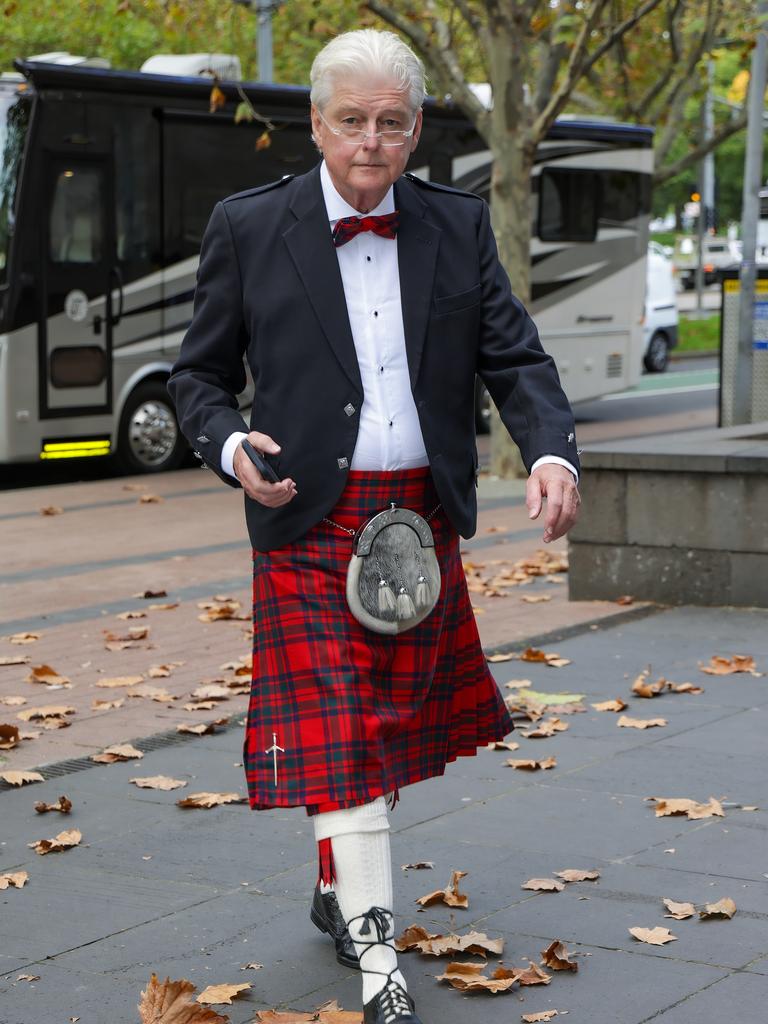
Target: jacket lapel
point(311, 247)
point(418, 243)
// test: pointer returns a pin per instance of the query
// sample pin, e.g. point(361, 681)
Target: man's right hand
point(254, 484)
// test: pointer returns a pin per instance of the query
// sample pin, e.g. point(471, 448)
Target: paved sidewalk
point(198, 894)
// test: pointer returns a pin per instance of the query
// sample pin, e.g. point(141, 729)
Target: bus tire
point(148, 437)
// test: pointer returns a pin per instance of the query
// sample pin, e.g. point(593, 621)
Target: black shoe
point(326, 915)
point(392, 1005)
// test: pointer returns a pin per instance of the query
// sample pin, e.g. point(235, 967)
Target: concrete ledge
point(678, 519)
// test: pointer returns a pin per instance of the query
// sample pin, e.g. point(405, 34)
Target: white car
point(660, 319)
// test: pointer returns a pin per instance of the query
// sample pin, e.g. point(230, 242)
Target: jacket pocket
point(459, 300)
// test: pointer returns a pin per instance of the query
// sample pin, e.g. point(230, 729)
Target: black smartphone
point(260, 463)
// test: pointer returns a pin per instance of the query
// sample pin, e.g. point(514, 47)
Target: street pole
point(753, 159)
point(264, 39)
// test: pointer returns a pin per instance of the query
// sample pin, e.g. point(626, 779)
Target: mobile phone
point(260, 462)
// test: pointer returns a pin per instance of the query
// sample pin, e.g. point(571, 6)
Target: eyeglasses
point(356, 137)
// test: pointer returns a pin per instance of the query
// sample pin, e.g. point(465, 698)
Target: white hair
point(367, 52)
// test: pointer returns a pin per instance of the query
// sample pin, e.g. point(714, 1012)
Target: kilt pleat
point(355, 714)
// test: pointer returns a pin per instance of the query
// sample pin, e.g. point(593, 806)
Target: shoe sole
point(345, 961)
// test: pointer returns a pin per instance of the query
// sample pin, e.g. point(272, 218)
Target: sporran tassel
point(405, 609)
point(422, 596)
point(387, 601)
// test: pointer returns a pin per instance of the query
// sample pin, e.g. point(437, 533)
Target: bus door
point(81, 288)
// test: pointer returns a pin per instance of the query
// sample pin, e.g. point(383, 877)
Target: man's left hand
point(557, 485)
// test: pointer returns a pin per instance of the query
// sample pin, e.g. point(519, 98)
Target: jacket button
point(342, 463)
point(349, 409)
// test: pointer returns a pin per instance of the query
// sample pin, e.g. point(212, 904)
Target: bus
point(107, 181)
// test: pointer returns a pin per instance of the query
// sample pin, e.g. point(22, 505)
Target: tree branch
point(671, 170)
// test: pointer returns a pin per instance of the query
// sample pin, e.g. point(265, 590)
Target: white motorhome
point(107, 180)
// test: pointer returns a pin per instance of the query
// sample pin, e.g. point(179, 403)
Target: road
point(686, 301)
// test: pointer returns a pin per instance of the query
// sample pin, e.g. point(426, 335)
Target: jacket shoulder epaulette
point(260, 188)
point(435, 187)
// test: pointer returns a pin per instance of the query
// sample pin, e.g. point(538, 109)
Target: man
point(365, 302)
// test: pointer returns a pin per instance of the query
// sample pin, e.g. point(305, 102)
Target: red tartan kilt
point(359, 714)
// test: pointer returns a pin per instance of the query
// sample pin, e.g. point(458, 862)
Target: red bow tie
point(347, 227)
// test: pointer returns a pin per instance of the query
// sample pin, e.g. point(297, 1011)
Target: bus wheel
point(149, 439)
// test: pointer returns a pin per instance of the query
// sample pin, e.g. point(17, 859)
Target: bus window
point(567, 205)
point(76, 217)
point(14, 118)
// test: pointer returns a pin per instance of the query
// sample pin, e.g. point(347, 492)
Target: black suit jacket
point(269, 287)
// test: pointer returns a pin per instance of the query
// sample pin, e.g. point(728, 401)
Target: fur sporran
point(393, 578)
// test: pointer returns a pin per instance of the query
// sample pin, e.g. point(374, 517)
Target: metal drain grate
point(146, 744)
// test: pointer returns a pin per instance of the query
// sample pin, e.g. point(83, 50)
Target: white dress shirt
point(389, 435)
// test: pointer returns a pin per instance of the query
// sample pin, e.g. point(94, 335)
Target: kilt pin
point(339, 715)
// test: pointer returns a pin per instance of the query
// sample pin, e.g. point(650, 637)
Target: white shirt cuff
point(543, 461)
point(228, 452)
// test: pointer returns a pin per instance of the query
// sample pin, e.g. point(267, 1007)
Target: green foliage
point(699, 335)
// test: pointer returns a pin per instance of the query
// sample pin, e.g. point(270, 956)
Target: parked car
point(660, 319)
point(718, 252)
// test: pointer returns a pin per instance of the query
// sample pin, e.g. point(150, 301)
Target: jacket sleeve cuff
point(558, 462)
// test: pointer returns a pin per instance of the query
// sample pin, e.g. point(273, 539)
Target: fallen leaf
point(531, 975)
point(148, 594)
point(470, 977)
point(206, 800)
point(543, 885)
point(450, 895)
point(577, 875)
point(530, 765)
point(15, 659)
point(473, 942)
point(642, 688)
point(518, 684)
point(160, 671)
point(158, 782)
point(678, 911)
point(167, 606)
point(536, 598)
point(640, 723)
point(117, 752)
point(653, 936)
point(555, 956)
point(150, 692)
point(169, 1002)
point(202, 705)
point(113, 681)
point(203, 728)
point(494, 658)
point(17, 879)
point(501, 745)
point(666, 806)
point(134, 633)
point(51, 510)
point(131, 615)
point(222, 993)
point(49, 676)
point(212, 691)
point(551, 659)
point(625, 599)
point(545, 729)
point(534, 1018)
point(150, 499)
point(549, 699)
point(419, 865)
point(63, 805)
point(27, 977)
point(21, 778)
point(63, 841)
point(24, 638)
point(9, 736)
point(610, 705)
point(105, 705)
point(723, 908)
point(252, 967)
point(684, 688)
point(719, 666)
point(13, 701)
point(49, 711)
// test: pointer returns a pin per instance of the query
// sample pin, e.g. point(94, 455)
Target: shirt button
point(390, 423)
point(375, 312)
point(381, 369)
point(368, 258)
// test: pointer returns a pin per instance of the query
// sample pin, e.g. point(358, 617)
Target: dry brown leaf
point(501, 745)
point(148, 594)
point(547, 728)
point(24, 638)
point(284, 1017)
point(640, 723)
point(222, 993)
point(666, 806)
point(450, 895)
point(131, 614)
point(684, 688)
point(149, 692)
point(157, 782)
point(419, 865)
point(13, 701)
point(577, 875)
point(642, 688)
point(473, 942)
point(63, 805)
point(202, 705)
point(678, 911)
point(21, 778)
point(169, 1002)
point(113, 681)
point(723, 908)
point(160, 671)
point(63, 841)
point(221, 609)
point(105, 705)
point(555, 956)
point(15, 659)
point(470, 977)
point(653, 936)
point(494, 658)
point(551, 659)
point(543, 885)
point(531, 975)
point(51, 510)
point(49, 676)
point(213, 691)
point(206, 800)
point(150, 499)
point(133, 633)
point(610, 705)
point(203, 728)
point(17, 879)
point(47, 711)
point(117, 752)
point(719, 666)
point(536, 598)
point(167, 606)
point(252, 967)
point(535, 1018)
point(530, 765)
point(9, 736)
